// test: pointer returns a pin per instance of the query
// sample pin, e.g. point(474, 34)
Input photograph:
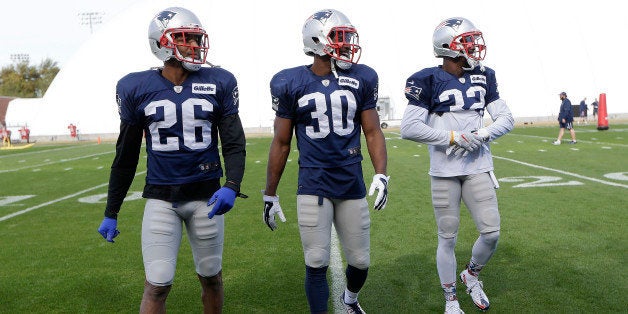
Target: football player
point(446, 106)
point(328, 104)
point(183, 109)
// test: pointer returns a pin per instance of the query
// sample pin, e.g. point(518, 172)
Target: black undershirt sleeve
point(123, 167)
point(233, 145)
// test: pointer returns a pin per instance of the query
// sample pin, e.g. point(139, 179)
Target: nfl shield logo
point(325, 83)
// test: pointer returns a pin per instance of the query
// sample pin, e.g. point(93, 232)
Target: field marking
point(9, 216)
point(55, 162)
point(46, 150)
point(549, 138)
point(579, 141)
point(563, 172)
point(337, 273)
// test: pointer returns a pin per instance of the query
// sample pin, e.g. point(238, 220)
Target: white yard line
point(9, 216)
point(337, 273)
point(563, 172)
point(45, 151)
point(55, 162)
point(579, 141)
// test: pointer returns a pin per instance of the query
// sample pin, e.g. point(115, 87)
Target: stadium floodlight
point(20, 57)
point(91, 19)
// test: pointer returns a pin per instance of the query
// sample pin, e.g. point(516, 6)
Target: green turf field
point(563, 245)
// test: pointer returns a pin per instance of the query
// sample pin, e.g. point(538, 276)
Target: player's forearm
point(413, 128)
point(123, 167)
point(277, 158)
point(503, 122)
point(120, 181)
point(376, 144)
point(233, 143)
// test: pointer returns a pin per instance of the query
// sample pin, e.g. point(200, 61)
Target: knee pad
point(317, 258)
point(446, 209)
point(209, 266)
point(448, 226)
point(160, 273)
point(490, 238)
point(360, 260)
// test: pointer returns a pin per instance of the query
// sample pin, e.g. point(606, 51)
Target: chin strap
point(333, 68)
point(211, 64)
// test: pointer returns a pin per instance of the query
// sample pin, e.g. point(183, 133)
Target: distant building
point(386, 112)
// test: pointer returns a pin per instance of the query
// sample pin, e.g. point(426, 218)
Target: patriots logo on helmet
point(322, 16)
point(453, 23)
point(164, 17)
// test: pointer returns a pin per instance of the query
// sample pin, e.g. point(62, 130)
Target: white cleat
point(474, 289)
point(453, 307)
point(556, 142)
point(353, 308)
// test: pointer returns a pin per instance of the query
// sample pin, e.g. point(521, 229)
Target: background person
point(594, 105)
point(565, 119)
point(583, 111)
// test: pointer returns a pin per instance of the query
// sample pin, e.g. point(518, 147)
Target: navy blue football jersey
point(326, 112)
point(180, 122)
point(439, 91)
point(457, 104)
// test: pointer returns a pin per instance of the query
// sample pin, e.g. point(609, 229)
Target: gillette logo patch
point(481, 79)
point(203, 88)
point(347, 81)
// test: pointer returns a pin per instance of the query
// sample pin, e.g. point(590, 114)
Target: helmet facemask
point(471, 45)
point(189, 45)
point(343, 46)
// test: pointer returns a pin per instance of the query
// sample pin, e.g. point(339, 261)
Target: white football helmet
point(329, 32)
point(177, 33)
point(457, 36)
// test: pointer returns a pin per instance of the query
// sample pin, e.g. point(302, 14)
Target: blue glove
point(108, 229)
point(222, 200)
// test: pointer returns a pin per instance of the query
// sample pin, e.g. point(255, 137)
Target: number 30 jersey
point(326, 114)
point(325, 111)
point(180, 122)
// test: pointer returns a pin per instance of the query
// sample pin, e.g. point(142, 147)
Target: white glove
point(272, 208)
point(483, 134)
point(380, 183)
point(467, 140)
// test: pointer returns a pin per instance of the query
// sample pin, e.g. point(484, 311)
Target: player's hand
point(467, 140)
point(272, 208)
point(483, 134)
point(380, 183)
point(109, 229)
point(223, 201)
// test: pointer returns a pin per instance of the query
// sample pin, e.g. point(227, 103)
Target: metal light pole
point(91, 19)
point(20, 57)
